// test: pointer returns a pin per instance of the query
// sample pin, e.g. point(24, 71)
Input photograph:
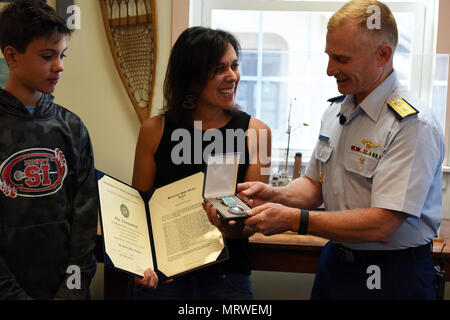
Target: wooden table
point(286, 252)
point(441, 247)
point(290, 252)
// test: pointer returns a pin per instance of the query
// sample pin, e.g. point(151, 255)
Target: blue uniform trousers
point(353, 274)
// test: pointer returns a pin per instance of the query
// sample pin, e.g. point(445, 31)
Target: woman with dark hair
point(200, 91)
point(194, 56)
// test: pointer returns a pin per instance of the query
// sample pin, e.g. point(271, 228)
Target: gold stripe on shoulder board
point(402, 108)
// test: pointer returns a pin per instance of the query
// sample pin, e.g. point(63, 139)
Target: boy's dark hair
point(25, 20)
point(197, 51)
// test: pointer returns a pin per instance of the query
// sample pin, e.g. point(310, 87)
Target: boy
point(48, 190)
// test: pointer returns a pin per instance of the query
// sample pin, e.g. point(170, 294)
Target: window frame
point(424, 42)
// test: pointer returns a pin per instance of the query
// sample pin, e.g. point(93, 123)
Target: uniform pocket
point(323, 152)
point(361, 165)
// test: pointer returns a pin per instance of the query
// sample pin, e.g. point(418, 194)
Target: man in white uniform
point(376, 168)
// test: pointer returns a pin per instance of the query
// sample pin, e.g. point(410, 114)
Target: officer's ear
point(384, 54)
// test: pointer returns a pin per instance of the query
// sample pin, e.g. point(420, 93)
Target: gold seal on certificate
point(168, 232)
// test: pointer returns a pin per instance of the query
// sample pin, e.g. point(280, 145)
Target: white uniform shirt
point(376, 160)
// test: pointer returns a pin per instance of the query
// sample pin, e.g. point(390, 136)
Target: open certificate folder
point(166, 230)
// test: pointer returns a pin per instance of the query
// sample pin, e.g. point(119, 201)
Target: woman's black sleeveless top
point(177, 157)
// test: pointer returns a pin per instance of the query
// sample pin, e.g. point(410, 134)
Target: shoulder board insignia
point(338, 98)
point(402, 108)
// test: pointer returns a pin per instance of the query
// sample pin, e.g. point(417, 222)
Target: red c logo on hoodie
point(34, 172)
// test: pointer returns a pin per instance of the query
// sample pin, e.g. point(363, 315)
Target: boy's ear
point(10, 54)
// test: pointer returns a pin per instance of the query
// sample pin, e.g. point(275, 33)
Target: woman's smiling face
point(220, 90)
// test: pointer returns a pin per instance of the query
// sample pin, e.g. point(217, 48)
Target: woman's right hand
point(150, 279)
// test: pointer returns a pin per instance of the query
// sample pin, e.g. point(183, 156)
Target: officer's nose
point(331, 68)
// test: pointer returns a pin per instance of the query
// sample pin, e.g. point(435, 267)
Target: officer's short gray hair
point(356, 11)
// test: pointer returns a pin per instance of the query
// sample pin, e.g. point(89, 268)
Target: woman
point(200, 92)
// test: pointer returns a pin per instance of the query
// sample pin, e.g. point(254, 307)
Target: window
point(283, 64)
point(440, 82)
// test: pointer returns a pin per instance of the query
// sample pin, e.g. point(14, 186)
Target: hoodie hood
point(10, 104)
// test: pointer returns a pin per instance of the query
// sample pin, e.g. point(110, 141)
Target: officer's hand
point(255, 193)
point(273, 218)
point(232, 229)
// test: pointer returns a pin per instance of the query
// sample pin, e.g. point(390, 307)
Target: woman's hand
point(150, 279)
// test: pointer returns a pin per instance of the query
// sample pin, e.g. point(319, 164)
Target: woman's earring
point(189, 102)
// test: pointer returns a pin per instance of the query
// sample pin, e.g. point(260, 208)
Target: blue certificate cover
point(165, 229)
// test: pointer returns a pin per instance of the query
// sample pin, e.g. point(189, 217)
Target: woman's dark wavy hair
point(25, 20)
point(197, 51)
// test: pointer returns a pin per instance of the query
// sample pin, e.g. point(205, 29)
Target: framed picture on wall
point(61, 8)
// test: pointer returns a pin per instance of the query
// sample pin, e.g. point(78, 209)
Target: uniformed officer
point(376, 168)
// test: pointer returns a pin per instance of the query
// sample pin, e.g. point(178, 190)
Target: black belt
point(410, 254)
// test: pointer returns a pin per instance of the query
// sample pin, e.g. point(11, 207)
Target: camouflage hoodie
point(48, 202)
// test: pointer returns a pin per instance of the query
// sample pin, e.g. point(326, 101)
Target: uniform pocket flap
point(361, 165)
point(323, 152)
